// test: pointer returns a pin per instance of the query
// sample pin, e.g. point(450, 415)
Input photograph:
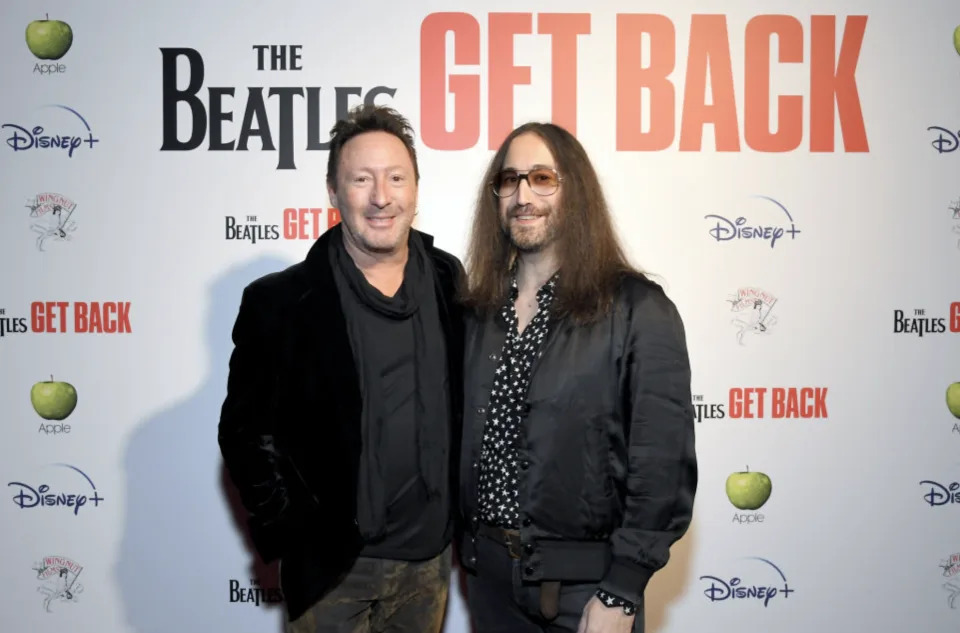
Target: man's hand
point(599, 618)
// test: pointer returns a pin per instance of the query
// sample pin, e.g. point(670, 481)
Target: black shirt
point(498, 453)
point(416, 526)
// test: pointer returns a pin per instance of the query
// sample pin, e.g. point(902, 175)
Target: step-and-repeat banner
point(788, 171)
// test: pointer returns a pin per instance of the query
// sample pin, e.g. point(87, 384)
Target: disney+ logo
point(46, 496)
point(34, 138)
point(774, 586)
point(940, 494)
point(740, 228)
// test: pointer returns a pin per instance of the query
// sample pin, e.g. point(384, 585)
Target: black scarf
point(417, 300)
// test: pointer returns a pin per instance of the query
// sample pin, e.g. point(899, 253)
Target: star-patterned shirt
point(498, 452)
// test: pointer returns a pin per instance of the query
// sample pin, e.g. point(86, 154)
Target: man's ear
point(332, 194)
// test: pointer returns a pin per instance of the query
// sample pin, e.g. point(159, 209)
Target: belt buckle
point(513, 545)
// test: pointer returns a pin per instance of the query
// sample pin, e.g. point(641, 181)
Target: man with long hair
point(578, 465)
point(340, 424)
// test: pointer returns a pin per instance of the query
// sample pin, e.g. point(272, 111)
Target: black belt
point(508, 538)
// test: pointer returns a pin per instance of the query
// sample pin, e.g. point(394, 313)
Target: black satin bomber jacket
point(608, 468)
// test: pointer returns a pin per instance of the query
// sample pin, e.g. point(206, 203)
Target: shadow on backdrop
point(184, 537)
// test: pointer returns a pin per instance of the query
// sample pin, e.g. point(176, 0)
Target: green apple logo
point(747, 490)
point(956, 39)
point(49, 39)
point(953, 399)
point(53, 400)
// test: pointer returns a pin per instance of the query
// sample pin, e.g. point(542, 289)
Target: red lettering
point(955, 316)
point(564, 29)
point(37, 321)
point(820, 399)
point(633, 77)
point(333, 218)
point(434, 82)
point(123, 318)
point(756, 102)
point(777, 407)
point(736, 402)
point(833, 81)
point(709, 54)
point(290, 223)
point(110, 324)
point(503, 75)
point(81, 321)
point(96, 318)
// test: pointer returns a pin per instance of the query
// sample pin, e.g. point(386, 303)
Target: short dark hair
point(368, 118)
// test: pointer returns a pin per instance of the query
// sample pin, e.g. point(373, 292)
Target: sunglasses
point(543, 181)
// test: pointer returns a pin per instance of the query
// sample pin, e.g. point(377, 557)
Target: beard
point(533, 238)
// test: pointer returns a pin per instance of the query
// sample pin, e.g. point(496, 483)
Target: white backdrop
point(849, 529)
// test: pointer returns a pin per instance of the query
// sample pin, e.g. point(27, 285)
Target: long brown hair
point(592, 261)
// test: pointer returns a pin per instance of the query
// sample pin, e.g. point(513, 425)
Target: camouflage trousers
point(383, 596)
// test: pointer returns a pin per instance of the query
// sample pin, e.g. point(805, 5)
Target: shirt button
point(473, 560)
point(528, 571)
point(481, 410)
point(524, 465)
point(475, 465)
point(493, 357)
point(528, 548)
point(526, 521)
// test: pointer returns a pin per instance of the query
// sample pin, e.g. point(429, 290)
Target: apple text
point(747, 519)
point(54, 429)
point(49, 69)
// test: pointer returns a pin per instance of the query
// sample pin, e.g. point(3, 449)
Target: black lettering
point(286, 125)
point(172, 97)
point(217, 117)
point(255, 110)
point(313, 122)
point(231, 228)
point(234, 591)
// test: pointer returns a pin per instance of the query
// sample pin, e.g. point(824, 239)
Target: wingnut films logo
point(765, 221)
point(52, 218)
point(211, 122)
point(299, 223)
point(58, 580)
point(950, 567)
point(72, 491)
point(753, 307)
point(760, 581)
point(920, 324)
point(67, 136)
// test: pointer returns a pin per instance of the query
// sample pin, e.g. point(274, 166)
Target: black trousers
point(500, 601)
